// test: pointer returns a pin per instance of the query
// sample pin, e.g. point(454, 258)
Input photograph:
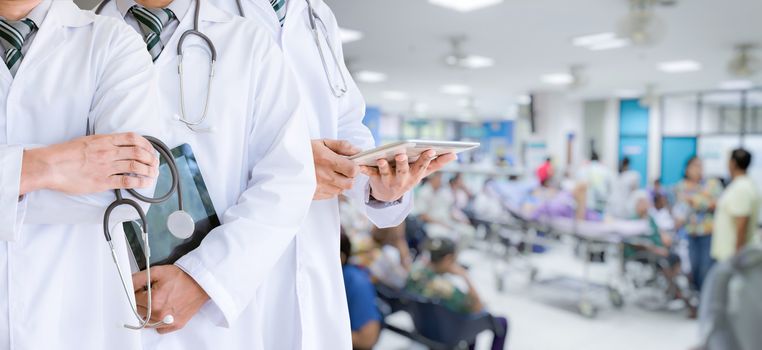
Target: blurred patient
point(364, 317)
point(385, 254)
point(435, 206)
point(443, 279)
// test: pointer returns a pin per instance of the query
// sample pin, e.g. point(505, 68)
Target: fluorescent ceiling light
point(600, 41)
point(628, 93)
point(394, 95)
point(593, 39)
point(736, 85)
point(557, 79)
point(370, 77)
point(476, 62)
point(349, 35)
point(615, 43)
point(465, 5)
point(455, 89)
point(682, 66)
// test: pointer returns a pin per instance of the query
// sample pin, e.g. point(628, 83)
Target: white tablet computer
point(413, 149)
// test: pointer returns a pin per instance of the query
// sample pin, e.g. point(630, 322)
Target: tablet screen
point(166, 248)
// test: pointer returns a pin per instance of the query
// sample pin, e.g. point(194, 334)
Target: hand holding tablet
point(413, 150)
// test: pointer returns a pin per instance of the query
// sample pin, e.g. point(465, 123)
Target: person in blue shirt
point(364, 317)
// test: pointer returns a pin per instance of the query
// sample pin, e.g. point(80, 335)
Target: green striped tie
point(152, 22)
point(280, 10)
point(12, 37)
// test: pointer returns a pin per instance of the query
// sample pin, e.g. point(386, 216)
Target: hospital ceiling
point(407, 40)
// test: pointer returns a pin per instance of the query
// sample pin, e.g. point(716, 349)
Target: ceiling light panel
point(736, 85)
point(394, 95)
point(682, 66)
point(370, 77)
point(593, 39)
point(455, 89)
point(600, 41)
point(465, 5)
point(557, 79)
point(349, 35)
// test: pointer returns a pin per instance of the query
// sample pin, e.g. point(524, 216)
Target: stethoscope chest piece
point(181, 224)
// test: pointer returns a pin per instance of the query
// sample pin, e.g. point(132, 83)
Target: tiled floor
point(545, 318)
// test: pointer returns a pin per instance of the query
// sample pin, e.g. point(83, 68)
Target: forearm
point(473, 296)
point(741, 229)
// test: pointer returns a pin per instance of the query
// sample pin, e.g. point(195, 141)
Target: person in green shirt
point(737, 211)
point(433, 281)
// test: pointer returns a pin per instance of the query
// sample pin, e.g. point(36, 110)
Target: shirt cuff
point(11, 205)
point(377, 204)
point(220, 309)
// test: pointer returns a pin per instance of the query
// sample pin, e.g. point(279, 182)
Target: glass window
point(721, 113)
point(680, 115)
point(754, 112)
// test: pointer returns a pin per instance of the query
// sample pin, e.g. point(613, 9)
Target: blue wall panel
point(675, 152)
point(633, 136)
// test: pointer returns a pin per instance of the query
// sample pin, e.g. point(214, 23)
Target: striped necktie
point(280, 10)
point(152, 22)
point(12, 37)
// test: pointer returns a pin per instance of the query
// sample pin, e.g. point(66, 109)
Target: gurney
point(592, 237)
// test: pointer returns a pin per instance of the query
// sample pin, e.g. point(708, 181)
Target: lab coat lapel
point(53, 33)
point(269, 16)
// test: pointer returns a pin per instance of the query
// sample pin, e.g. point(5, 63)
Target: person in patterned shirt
point(698, 198)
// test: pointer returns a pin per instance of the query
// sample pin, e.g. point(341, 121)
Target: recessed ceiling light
point(682, 66)
point(628, 93)
point(420, 108)
point(476, 62)
point(455, 89)
point(593, 39)
point(557, 78)
point(349, 35)
point(465, 5)
point(615, 43)
point(394, 95)
point(736, 85)
point(600, 41)
point(370, 77)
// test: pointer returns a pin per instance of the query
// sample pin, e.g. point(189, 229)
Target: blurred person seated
point(435, 206)
point(513, 192)
point(569, 203)
point(462, 196)
point(625, 184)
point(364, 316)
point(487, 204)
point(441, 278)
point(661, 212)
point(656, 247)
point(385, 254)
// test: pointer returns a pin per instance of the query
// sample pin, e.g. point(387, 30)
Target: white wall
point(556, 116)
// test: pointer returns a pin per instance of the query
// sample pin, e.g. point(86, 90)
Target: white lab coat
point(322, 314)
point(59, 285)
point(258, 167)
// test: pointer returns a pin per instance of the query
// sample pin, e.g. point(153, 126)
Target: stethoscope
point(179, 223)
point(340, 89)
point(192, 125)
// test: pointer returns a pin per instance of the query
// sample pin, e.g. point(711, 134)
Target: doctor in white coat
point(60, 289)
point(254, 153)
point(321, 320)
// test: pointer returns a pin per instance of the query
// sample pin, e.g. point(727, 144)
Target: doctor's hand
point(173, 293)
point(335, 173)
point(389, 184)
point(90, 164)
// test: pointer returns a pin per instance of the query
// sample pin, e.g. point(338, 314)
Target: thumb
point(341, 147)
point(139, 281)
